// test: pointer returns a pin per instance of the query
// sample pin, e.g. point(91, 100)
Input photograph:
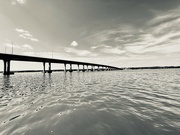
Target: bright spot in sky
point(74, 43)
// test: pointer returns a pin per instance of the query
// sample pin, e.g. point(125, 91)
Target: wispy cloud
point(113, 51)
point(27, 47)
point(26, 35)
point(117, 34)
point(14, 2)
point(10, 45)
point(160, 35)
point(79, 52)
point(34, 39)
point(21, 30)
point(164, 17)
point(23, 47)
point(106, 49)
point(47, 54)
point(100, 46)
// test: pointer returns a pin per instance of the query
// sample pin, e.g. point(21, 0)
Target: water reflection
point(6, 83)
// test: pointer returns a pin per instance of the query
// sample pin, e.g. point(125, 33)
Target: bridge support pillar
point(102, 68)
point(7, 68)
point(83, 69)
point(98, 68)
point(78, 67)
point(49, 71)
point(44, 67)
point(92, 68)
point(70, 70)
point(87, 68)
point(65, 67)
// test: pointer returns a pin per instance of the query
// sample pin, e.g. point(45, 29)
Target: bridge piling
point(5, 67)
point(87, 68)
point(49, 71)
point(65, 67)
point(83, 69)
point(91, 67)
point(78, 67)
point(70, 70)
point(44, 67)
point(8, 67)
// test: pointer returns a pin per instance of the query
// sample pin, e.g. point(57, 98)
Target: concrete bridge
point(7, 58)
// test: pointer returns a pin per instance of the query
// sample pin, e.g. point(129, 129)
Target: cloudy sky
point(116, 32)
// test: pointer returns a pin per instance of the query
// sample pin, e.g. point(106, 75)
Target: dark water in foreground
point(142, 102)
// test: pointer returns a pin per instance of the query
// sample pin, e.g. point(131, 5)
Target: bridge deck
point(49, 60)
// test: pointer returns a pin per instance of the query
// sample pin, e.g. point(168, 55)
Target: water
point(142, 102)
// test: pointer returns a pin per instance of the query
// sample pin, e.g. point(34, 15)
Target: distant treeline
point(155, 67)
point(127, 68)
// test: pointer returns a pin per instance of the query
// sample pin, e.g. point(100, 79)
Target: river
point(129, 102)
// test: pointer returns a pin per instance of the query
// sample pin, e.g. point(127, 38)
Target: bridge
point(7, 58)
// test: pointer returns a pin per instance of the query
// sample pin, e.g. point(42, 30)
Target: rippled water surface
point(142, 102)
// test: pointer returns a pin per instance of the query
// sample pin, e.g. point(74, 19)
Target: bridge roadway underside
point(7, 58)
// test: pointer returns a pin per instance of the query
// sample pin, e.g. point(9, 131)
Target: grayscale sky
point(116, 32)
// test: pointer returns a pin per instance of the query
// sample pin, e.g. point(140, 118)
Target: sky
point(122, 33)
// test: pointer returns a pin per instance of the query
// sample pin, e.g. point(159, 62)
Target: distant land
point(123, 68)
point(154, 67)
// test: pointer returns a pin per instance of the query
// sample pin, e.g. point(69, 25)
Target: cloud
point(21, 30)
point(113, 51)
point(14, 2)
point(24, 47)
point(103, 48)
point(121, 32)
point(79, 52)
point(47, 54)
point(34, 39)
point(26, 35)
point(159, 36)
point(100, 46)
point(164, 17)
point(12, 45)
point(27, 47)
point(94, 47)
point(74, 43)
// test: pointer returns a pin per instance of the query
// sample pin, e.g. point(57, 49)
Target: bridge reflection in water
point(7, 58)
